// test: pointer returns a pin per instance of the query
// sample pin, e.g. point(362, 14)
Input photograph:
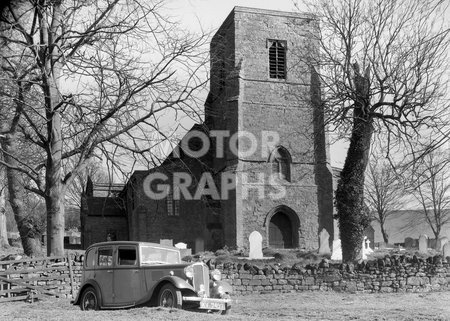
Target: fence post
point(69, 261)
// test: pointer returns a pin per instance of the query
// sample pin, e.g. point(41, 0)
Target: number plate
point(205, 304)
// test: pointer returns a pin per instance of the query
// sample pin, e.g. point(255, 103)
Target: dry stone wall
point(58, 276)
point(390, 274)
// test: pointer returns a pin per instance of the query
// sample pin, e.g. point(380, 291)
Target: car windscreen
point(156, 255)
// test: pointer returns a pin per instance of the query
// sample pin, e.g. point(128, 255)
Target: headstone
point(363, 249)
point(440, 243)
point(166, 242)
point(199, 245)
point(369, 250)
point(181, 245)
point(409, 243)
point(446, 250)
point(337, 250)
point(255, 240)
point(423, 244)
point(370, 233)
point(432, 243)
point(324, 245)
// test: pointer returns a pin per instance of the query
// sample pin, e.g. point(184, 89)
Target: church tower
point(264, 88)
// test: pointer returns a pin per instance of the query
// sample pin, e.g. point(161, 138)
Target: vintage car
point(126, 274)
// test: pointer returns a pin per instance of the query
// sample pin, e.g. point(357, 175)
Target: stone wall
point(391, 274)
point(51, 274)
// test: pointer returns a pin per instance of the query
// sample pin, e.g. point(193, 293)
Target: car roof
point(132, 243)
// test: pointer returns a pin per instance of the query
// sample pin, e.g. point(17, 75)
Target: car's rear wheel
point(89, 299)
point(170, 297)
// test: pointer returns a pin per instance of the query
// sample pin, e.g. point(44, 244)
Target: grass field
point(285, 306)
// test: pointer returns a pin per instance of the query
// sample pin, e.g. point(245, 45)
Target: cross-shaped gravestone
point(368, 248)
point(255, 240)
point(423, 243)
point(324, 245)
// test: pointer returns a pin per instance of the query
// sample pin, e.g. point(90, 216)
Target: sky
point(209, 15)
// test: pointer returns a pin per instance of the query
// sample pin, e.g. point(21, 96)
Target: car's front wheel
point(170, 297)
point(89, 299)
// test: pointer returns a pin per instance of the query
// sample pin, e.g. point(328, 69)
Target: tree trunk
point(351, 211)
point(30, 234)
point(384, 233)
point(54, 196)
point(54, 188)
point(3, 231)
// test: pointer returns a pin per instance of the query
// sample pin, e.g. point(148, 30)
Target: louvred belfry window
point(277, 59)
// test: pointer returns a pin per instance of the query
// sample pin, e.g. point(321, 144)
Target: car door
point(104, 273)
point(128, 278)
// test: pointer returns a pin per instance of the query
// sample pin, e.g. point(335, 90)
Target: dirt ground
point(286, 306)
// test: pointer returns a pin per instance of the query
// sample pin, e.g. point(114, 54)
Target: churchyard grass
point(277, 306)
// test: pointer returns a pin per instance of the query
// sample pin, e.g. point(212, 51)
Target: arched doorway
point(280, 231)
point(282, 225)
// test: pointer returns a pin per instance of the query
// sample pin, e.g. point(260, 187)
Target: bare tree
point(94, 77)
point(3, 230)
point(74, 191)
point(382, 69)
point(430, 186)
point(384, 191)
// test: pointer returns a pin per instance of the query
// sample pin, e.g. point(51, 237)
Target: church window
point(277, 59)
point(281, 163)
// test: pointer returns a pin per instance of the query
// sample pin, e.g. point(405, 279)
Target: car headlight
point(216, 275)
point(189, 271)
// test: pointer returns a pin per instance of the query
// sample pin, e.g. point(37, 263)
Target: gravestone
point(432, 243)
point(441, 242)
point(446, 250)
point(166, 242)
point(409, 243)
point(363, 249)
point(324, 245)
point(255, 240)
point(181, 245)
point(423, 244)
point(369, 250)
point(199, 245)
point(370, 233)
point(337, 250)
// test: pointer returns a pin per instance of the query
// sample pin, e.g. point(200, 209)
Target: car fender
point(175, 280)
point(92, 283)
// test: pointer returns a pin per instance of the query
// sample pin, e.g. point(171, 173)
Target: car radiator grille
point(200, 280)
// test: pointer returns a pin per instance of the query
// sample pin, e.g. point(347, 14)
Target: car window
point(126, 256)
point(156, 255)
point(90, 258)
point(105, 257)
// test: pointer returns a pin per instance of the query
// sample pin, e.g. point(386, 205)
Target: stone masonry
point(245, 98)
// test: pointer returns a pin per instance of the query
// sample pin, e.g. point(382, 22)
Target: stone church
point(262, 81)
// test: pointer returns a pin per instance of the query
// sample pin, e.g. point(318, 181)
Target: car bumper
point(209, 303)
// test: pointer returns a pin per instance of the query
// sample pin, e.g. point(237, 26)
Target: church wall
point(284, 106)
point(195, 220)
